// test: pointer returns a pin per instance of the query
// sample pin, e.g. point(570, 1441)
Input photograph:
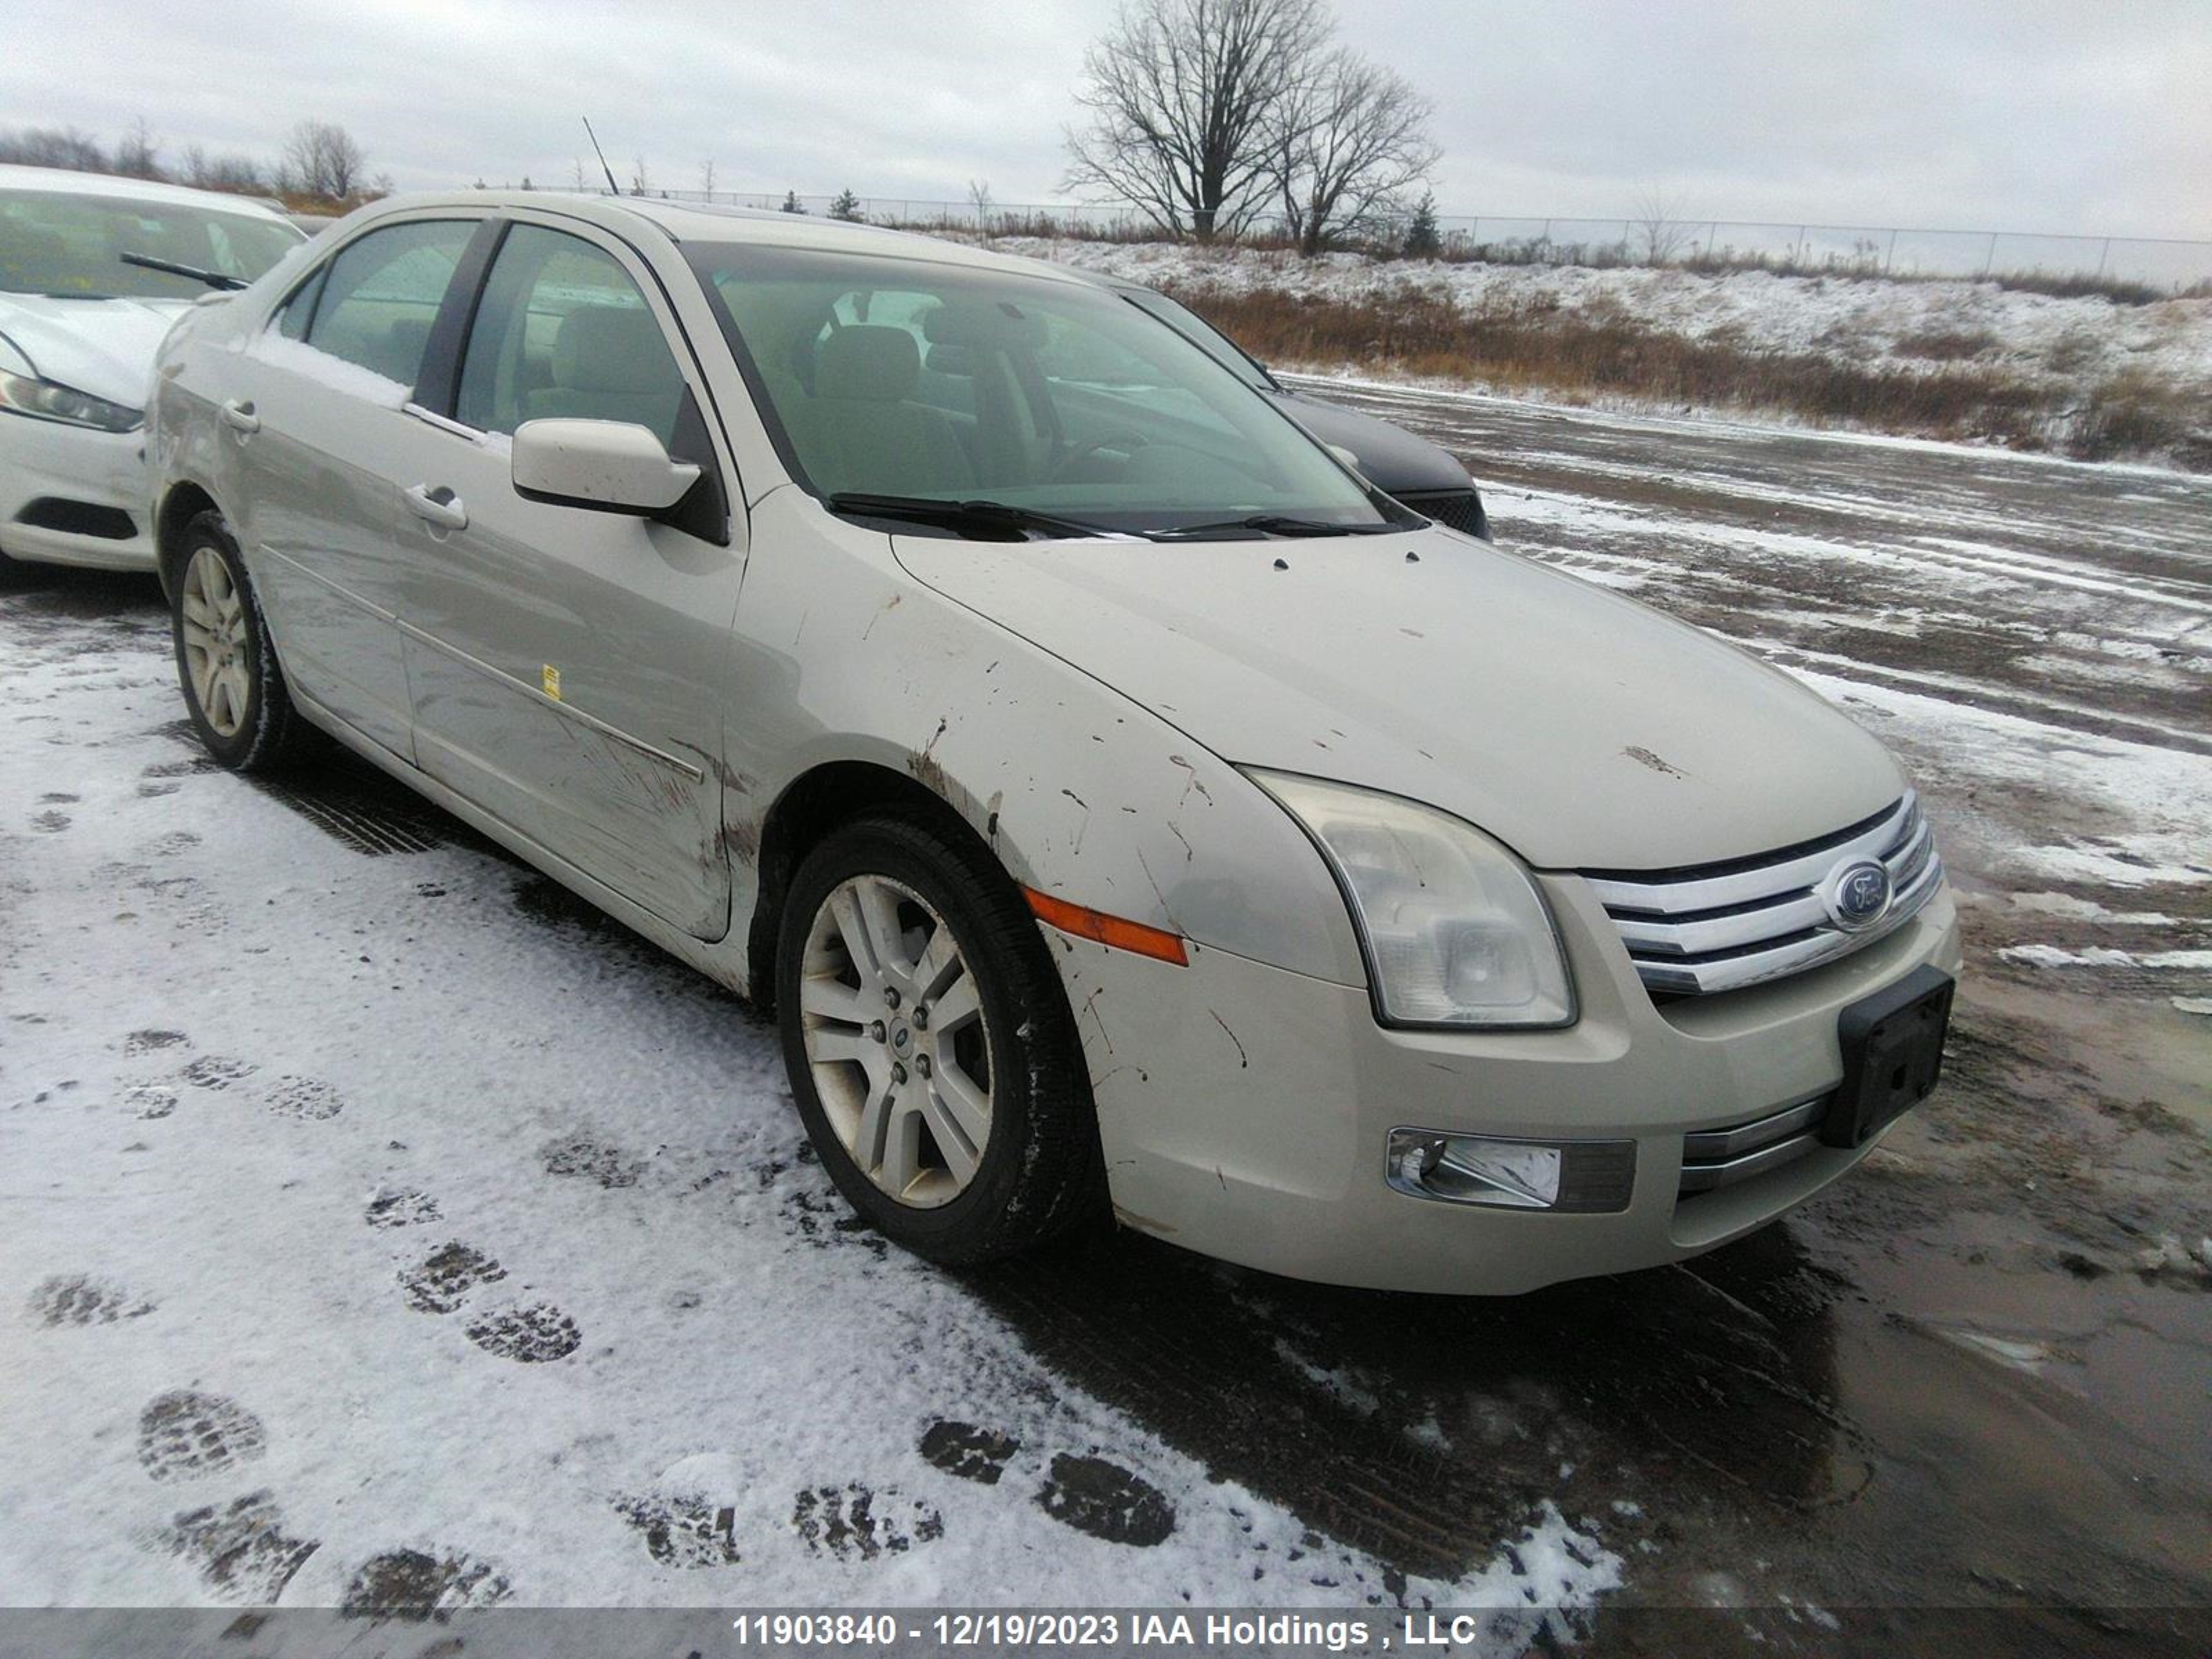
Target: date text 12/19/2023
point(1069, 1629)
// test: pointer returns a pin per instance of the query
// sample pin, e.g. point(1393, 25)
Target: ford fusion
point(92, 271)
point(1126, 808)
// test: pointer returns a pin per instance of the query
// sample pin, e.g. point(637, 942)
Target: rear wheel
point(233, 686)
point(930, 1045)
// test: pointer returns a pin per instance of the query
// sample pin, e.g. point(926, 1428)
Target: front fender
point(1080, 792)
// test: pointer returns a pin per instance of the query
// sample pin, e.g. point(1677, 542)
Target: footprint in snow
point(684, 1532)
point(530, 1335)
point(406, 1209)
point(416, 1585)
point(184, 1435)
point(442, 1280)
point(1106, 1501)
point(51, 822)
point(580, 1155)
point(855, 1524)
point(150, 1041)
point(168, 846)
point(971, 1453)
point(217, 1071)
point(305, 1097)
point(241, 1549)
point(78, 1299)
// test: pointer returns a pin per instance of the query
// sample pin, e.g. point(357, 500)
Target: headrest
point(880, 364)
point(609, 348)
point(999, 324)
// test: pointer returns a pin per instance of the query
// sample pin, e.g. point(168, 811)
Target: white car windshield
point(912, 382)
point(72, 247)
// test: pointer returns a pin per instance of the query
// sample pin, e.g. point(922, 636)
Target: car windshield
point(73, 246)
point(1202, 334)
point(898, 379)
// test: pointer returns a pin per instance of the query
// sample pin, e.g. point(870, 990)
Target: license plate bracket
point(1893, 1046)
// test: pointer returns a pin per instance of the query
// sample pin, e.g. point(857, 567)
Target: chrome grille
point(1713, 1158)
point(1719, 926)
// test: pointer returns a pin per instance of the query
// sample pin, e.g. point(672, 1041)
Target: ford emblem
point(1858, 895)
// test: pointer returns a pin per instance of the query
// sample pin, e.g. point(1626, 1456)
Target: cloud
point(2005, 113)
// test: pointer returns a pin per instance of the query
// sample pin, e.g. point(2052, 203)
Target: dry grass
point(1596, 350)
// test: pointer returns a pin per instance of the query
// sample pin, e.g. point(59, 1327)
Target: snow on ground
point(359, 1228)
point(2075, 341)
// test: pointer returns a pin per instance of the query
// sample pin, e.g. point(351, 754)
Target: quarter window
point(563, 332)
point(382, 294)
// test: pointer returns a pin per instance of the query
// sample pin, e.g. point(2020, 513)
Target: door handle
point(440, 506)
point(239, 417)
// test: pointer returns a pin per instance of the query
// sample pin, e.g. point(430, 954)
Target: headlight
point(47, 400)
point(1455, 931)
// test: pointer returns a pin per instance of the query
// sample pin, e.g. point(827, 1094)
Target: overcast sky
point(2091, 116)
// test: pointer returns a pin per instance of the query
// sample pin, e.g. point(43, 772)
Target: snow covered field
point(376, 1227)
point(2064, 346)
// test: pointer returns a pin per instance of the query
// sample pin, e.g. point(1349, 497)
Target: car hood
point(1394, 459)
point(1584, 730)
point(105, 347)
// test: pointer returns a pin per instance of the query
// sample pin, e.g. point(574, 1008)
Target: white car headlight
point(1455, 931)
point(49, 400)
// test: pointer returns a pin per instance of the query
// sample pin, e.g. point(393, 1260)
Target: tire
point(224, 655)
point(889, 1099)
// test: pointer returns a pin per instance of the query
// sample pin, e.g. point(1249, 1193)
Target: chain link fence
point(2163, 263)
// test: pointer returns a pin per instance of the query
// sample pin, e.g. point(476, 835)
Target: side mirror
point(607, 466)
point(1347, 457)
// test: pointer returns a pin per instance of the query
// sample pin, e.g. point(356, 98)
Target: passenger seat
point(610, 363)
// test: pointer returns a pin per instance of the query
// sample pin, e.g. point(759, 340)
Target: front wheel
point(233, 686)
point(930, 1045)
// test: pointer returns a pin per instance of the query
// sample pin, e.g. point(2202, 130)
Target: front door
point(570, 668)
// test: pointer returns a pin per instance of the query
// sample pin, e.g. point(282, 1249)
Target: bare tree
point(322, 158)
point(1659, 232)
point(135, 156)
point(1350, 139)
point(978, 198)
point(707, 178)
point(638, 184)
point(53, 147)
point(1182, 95)
point(240, 173)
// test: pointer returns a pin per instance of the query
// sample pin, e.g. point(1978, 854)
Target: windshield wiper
point(983, 517)
point(1272, 524)
point(212, 278)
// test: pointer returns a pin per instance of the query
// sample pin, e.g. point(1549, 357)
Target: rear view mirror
point(607, 466)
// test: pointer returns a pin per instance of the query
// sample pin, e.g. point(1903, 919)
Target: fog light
point(1583, 1177)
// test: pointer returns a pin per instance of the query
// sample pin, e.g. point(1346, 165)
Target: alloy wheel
point(896, 1040)
point(217, 654)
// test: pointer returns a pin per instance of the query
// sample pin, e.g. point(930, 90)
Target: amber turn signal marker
point(1108, 930)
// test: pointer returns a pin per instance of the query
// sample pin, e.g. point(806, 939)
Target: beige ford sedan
point(1127, 809)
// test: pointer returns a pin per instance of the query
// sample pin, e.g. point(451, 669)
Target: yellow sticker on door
point(552, 682)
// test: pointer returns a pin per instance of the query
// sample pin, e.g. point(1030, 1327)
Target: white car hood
point(1584, 730)
point(105, 347)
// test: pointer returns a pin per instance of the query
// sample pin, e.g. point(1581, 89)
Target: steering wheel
point(1121, 436)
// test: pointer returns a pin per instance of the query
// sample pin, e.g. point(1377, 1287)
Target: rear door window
point(382, 294)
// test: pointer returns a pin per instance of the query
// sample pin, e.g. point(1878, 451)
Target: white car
point(93, 271)
point(1125, 806)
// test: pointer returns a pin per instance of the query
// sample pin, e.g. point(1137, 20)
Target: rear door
point(570, 668)
point(317, 422)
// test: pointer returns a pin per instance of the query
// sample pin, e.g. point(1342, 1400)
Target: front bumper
point(67, 491)
point(1245, 1111)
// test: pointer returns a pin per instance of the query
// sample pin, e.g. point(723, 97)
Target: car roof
point(62, 181)
point(700, 221)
